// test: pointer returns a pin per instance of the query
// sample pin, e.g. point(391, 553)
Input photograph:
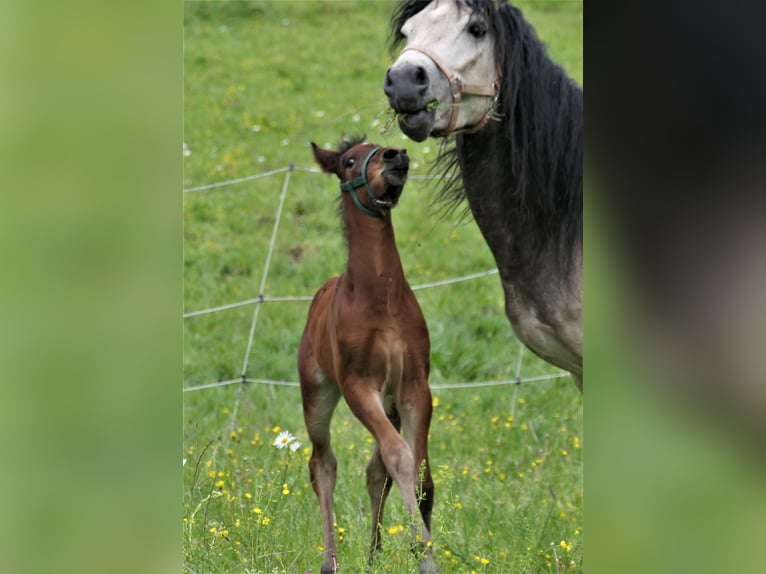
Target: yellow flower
point(435, 402)
point(395, 529)
point(266, 520)
point(257, 510)
point(564, 452)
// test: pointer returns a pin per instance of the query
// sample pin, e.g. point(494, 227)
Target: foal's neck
point(374, 268)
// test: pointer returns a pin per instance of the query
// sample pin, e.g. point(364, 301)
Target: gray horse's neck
point(543, 288)
point(484, 160)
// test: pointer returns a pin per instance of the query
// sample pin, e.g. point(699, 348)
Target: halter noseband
point(350, 186)
point(457, 88)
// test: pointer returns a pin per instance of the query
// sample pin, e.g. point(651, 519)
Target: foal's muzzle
point(396, 164)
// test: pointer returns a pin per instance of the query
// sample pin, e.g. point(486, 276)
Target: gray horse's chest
point(554, 335)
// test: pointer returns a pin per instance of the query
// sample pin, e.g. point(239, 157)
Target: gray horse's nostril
point(421, 78)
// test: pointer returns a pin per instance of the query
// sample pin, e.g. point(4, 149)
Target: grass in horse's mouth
point(394, 116)
point(429, 107)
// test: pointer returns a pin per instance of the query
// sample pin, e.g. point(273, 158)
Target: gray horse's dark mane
point(542, 111)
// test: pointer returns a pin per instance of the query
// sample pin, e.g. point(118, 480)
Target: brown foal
point(366, 339)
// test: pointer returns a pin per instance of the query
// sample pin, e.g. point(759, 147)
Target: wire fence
point(263, 298)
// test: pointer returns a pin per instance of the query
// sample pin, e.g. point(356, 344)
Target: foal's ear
point(327, 159)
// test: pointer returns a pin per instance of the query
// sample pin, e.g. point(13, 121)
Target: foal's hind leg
point(320, 398)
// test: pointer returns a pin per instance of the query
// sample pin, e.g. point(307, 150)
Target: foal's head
point(374, 176)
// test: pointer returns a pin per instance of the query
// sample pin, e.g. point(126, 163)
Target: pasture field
point(262, 80)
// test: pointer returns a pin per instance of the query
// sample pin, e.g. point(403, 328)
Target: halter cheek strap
point(457, 88)
point(350, 187)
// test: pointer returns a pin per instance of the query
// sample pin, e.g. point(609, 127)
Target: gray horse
point(476, 69)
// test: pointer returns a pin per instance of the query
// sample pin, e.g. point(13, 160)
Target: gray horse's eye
point(477, 30)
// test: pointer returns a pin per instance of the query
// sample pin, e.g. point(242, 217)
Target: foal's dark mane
point(542, 115)
point(350, 141)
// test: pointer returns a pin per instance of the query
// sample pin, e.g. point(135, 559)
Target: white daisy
point(294, 446)
point(283, 439)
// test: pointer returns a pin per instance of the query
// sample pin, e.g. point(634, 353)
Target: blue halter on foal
point(351, 186)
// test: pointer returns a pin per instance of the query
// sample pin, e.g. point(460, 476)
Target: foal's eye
point(477, 30)
point(350, 162)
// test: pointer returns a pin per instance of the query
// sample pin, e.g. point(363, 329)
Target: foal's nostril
point(390, 154)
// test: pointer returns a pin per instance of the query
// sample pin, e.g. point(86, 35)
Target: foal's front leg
point(379, 484)
point(395, 454)
point(416, 421)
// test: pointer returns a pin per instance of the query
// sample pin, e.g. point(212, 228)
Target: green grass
point(262, 80)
